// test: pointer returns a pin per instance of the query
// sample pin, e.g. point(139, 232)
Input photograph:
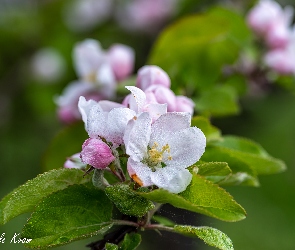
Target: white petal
point(109, 105)
point(106, 80)
point(96, 122)
point(116, 124)
point(137, 136)
point(72, 92)
point(173, 179)
point(139, 169)
point(156, 110)
point(167, 123)
point(87, 56)
point(186, 147)
point(84, 108)
point(139, 97)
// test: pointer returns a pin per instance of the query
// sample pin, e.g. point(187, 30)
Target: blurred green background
point(28, 123)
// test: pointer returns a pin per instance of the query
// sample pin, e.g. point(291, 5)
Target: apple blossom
point(161, 152)
point(96, 153)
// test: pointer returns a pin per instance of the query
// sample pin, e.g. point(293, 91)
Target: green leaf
point(76, 212)
point(209, 235)
point(194, 49)
point(214, 171)
point(131, 242)
point(70, 140)
point(212, 133)
point(128, 201)
point(218, 101)
point(110, 246)
point(213, 168)
point(201, 196)
point(163, 220)
point(243, 155)
point(24, 198)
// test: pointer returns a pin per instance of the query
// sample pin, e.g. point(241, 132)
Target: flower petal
point(137, 136)
point(96, 121)
point(156, 110)
point(116, 124)
point(139, 97)
point(84, 108)
point(173, 179)
point(109, 105)
point(139, 172)
point(186, 147)
point(167, 123)
point(87, 56)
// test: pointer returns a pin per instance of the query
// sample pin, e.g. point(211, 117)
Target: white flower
point(105, 119)
point(91, 64)
point(161, 152)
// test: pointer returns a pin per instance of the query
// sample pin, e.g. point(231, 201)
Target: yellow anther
point(155, 156)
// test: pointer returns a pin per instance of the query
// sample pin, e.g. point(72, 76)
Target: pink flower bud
point(121, 58)
point(184, 104)
point(152, 75)
point(162, 95)
point(96, 153)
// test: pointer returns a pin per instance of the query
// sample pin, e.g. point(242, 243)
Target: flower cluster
point(160, 144)
point(99, 72)
point(155, 85)
point(273, 24)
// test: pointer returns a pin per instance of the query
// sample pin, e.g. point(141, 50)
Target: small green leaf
point(70, 140)
point(24, 198)
point(128, 201)
point(212, 133)
point(131, 242)
point(201, 196)
point(163, 221)
point(243, 155)
point(111, 246)
point(209, 235)
point(213, 168)
point(76, 212)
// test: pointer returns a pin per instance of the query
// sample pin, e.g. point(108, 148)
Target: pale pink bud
point(282, 61)
point(152, 75)
point(184, 104)
point(263, 15)
point(162, 95)
point(96, 153)
point(121, 58)
point(278, 36)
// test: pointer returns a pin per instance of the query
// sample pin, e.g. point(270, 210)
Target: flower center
point(156, 156)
